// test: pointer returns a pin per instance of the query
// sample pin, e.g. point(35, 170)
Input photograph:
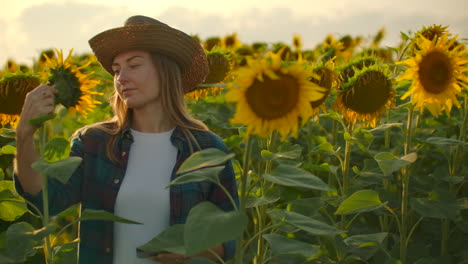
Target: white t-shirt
point(142, 195)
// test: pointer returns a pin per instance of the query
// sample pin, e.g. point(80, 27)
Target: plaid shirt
point(97, 181)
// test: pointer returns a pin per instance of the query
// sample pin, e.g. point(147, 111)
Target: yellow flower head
point(211, 43)
point(436, 72)
point(366, 95)
point(325, 78)
point(297, 42)
point(13, 90)
point(73, 86)
point(231, 41)
point(272, 96)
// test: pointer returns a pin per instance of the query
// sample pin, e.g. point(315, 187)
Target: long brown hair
point(172, 100)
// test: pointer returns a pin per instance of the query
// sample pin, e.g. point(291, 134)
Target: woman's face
point(136, 79)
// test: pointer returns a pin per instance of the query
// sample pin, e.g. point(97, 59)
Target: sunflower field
point(346, 152)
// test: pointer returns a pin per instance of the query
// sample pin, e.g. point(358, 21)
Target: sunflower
point(73, 86)
point(211, 43)
point(325, 78)
point(366, 95)
point(231, 41)
point(13, 90)
point(436, 72)
point(272, 96)
point(297, 42)
point(220, 66)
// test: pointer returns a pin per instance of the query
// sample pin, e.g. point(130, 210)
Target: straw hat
point(145, 33)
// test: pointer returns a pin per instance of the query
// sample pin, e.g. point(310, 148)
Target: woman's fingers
point(38, 102)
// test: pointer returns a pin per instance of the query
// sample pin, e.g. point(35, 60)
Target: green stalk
point(243, 194)
point(405, 188)
point(45, 199)
point(347, 157)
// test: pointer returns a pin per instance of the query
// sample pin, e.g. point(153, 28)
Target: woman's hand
point(38, 102)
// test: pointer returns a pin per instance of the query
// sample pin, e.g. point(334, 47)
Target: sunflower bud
point(219, 67)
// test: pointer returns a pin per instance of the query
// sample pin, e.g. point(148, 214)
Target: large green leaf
point(90, 214)
point(56, 149)
point(171, 240)
point(12, 206)
point(360, 201)
point(295, 177)
point(205, 158)
point(208, 226)
point(60, 170)
point(435, 209)
point(389, 163)
point(205, 174)
point(310, 225)
point(21, 239)
point(281, 245)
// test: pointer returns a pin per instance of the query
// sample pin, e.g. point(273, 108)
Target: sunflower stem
point(405, 188)
point(243, 194)
point(347, 157)
point(45, 198)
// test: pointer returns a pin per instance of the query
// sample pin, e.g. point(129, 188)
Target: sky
point(30, 26)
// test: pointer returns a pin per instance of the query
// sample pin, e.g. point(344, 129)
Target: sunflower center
point(435, 72)
point(272, 99)
point(369, 94)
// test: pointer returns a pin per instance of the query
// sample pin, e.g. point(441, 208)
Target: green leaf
point(271, 195)
point(2, 175)
point(61, 170)
point(209, 157)
point(307, 206)
point(66, 253)
point(208, 226)
point(56, 149)
point(360, 201)
point(12, 206)
point(389, 163)
point(347, 136)
point(310, 225)
point(368, 240)
point(21, 239)
point(205, 174)
point(365, 246)
point(386, 126)
point(8, 150)
point(170, 240)
point(38, 121)
point(294, 177)
point(7, 133)
point(445, 141)
point(435, 209)
point(281, 245)
point(90, 214)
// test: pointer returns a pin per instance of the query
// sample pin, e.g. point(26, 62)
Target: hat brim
point(186, 51)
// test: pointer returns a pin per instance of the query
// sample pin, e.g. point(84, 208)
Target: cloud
point(63, 26)
point(70, 25)
point(279, 24)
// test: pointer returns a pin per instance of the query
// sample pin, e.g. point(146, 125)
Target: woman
point(129, 159)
